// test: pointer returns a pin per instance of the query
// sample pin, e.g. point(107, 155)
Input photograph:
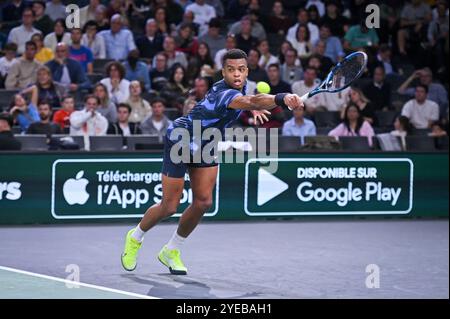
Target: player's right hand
point(293, 101)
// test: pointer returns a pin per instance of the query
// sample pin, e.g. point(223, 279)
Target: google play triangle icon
point(269, 186)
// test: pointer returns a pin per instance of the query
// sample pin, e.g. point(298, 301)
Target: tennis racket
point(341, 75)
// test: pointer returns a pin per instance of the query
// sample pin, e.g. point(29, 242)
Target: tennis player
point(221, 106)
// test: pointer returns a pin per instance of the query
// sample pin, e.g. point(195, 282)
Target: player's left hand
point(293, 101)
point(260, 116)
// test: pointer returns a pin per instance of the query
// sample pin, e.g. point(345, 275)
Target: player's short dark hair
point(124, 105)
point(425, 87)
point(234, 54)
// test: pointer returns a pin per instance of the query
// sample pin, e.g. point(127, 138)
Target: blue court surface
point(276, 259)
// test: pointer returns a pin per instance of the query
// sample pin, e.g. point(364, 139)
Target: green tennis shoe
point(171, 259)
point(129, 256)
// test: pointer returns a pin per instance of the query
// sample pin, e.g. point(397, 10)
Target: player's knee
point(203, 203)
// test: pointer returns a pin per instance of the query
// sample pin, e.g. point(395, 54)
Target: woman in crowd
point(59, 35)
point(118, 87)
point(177, 88)
point(107, 108)
point(43, 54)
point(367, 108)
point(140, 108)
point(186, 41)
point(45, 88)
point(201, 64)
point(302, 42)
point(402, 128)
point(92, 40)
point(278, 21)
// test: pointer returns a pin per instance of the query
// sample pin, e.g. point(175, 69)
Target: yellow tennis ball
point(263, 87)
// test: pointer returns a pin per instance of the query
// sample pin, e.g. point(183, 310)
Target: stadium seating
point(106, 143)
point(420, 143)
point(289, 143)
point(33, 142)
point(5, 98)
point(327, 119)
point(355, 143)
point(143, 142)
point(385, 118)
point(99, 65)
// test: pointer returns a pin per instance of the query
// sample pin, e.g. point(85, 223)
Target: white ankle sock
point(138, 234)
point(176, 241)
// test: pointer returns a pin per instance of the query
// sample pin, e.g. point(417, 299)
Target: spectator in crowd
point(435, 91)
point(92, 40)
point(437, 35)
point(7, 140)
point(366, 107)
point(236, 9)
point(319, 6)
point(266, 57)
point(67, 71)
point(161, 20)
point(62, 116)
point(379, 91)
point(87, 13)
point(218, 6)
point(7, 61)
point(80, 53)
point(156, 123)
point(44, 126)
point(257, 29)
point(336, 102)
point(136, 70)
point(421, 111)
point(244, 39)
point(308, 83)
point(298, 125)
point(414, 19)
point(188, 18)
point(58, 35)
point(22, 34)
point(338, 23)
point(333, 47)
point(42, 21)
point(101, 18)
point(170, 6)
point(123, 126)
point(188, 105)
point(291, 71)
point(314, 15)
point(230, 43)
point(437, 129)
point(12, 10)
point(118, 87)
point(255, 73)
point(24, 114)
point(160, 73)
point(106, 107)
point(185, 40)
point(314, 62)
point(116, 7)
point(55, 10)
point(88, 122)
point(23, 72)
point(384, 59)
point(203, 13)
point(118, 41)
point(326, 64)
point(43, 54)
point(278, 21)
point(303, 18)
point(402, 128)
point(360, 36)
point(201, 64)
point(45, 89)
point(201, 87)
point(152, 42)
point(140, 108)
point(212, 37)
point(277, 85)
point(302, 42)
point(176, 90)
point(171, 54)
point(353, 124)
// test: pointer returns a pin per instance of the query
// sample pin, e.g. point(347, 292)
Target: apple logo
point(74, 190)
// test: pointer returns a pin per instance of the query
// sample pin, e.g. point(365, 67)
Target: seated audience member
point(45, 88)
point(421, 111)
point(156, 123)
point(81, 53)
point(201, 87)
point(136, 70)
point(22, 34)
point(201, 64)
point(267, 58)
point(437, 129)
point(23, 72)
point(92, 40)
point(277, 85)
point(43, 54)
point(185, 40)
point(379, 91)
point(55, 9)
point(24, 114)
point(160, 73)
point(278, 20)
point(402, 128)
point(42, 21)
point(244, 39)
point(230, 43)
point(140, 108)
point(107, 108)
point(62, 116)
point(88, 122)
point(151, 42)
point(7, 140)
point(309, 82)
point(67, 71)
point(7, 61)
point(291, 70)
point(360, 36)
point(298, 125)
point(176, 89)
point(255, 72)
point(353, 124)
point(44, 126)
point(59, 35)
point(365, 106)
point(213, 38)
point(118, 41)
point(123, 126)
point(302, 42)
point(118, 87)
point(173, 56)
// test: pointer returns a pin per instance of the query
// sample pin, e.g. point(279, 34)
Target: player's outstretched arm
point(266, 101)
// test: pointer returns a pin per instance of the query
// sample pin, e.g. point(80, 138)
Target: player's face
point(235, 72)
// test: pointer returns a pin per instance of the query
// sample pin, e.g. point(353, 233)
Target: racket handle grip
point(304, 97)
